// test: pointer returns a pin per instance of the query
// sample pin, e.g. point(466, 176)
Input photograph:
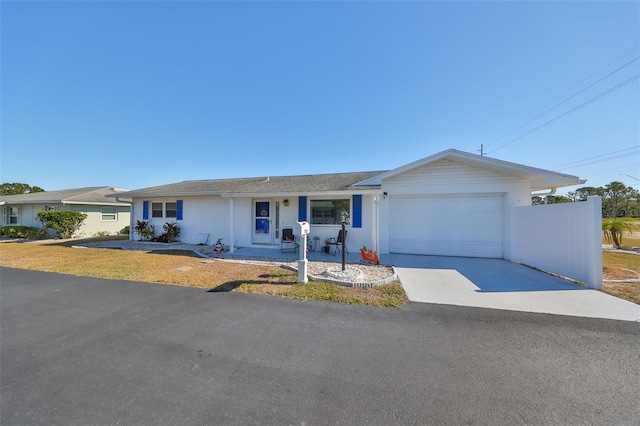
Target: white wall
point(94, 223)
point(201, 216)
point(561, 238)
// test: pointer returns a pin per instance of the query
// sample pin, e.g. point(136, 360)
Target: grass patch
point(617, 266)
point(621, 260)
point(186, 268)
point(630, 292)
point(388, 295)
point(626, 240)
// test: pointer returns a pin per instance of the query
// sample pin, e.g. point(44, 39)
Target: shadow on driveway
point(500, 284)
point(489, 275)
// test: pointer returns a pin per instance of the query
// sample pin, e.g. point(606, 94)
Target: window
point(327, 212)
point(12, 216)
point(171, 210)
point(159, 209)
point(109, 214)
point(156, 209)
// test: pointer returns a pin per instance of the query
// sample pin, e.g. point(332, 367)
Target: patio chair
point(288, 241)
point(337, 242)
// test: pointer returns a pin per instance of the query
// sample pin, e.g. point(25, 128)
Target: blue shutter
point(302, 208)
point(179, 210)
point(145, 210)
point(356, 214)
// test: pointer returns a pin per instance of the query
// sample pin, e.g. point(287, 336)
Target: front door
point(262, 233)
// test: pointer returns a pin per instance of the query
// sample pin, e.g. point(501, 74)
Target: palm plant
point(616, 226)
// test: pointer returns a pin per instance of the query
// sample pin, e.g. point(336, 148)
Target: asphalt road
point(87, 351)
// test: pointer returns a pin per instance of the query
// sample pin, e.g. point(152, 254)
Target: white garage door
point(446, 226)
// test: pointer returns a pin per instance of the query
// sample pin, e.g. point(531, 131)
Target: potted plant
point(326, 244)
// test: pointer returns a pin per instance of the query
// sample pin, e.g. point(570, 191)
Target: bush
point(125, 231)
point(28, 232)
point(170, 234)
point(146, 230)
point(65, 222)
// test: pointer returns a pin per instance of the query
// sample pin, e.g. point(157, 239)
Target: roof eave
point(95, 203)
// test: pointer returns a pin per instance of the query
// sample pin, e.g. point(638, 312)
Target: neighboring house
point(452, 203)
point(103, 214)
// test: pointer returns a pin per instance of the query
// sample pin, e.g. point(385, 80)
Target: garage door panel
point(449, 226)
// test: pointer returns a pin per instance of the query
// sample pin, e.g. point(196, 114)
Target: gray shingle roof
point(89, 195)
point(259, 185)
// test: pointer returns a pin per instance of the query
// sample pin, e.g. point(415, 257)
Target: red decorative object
point(369, 255)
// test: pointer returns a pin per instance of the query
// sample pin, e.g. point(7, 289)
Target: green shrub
point(66, 222)
point(28, 232)
point(146, 230)
point(125, 231)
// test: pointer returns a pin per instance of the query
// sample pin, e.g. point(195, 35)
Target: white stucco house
point(451, 203)
point(104, 214)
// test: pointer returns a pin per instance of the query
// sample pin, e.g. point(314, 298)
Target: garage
point(470, 226)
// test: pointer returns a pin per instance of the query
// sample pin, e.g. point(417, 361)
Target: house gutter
point(552, 191)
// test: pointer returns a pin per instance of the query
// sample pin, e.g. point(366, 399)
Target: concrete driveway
point(500, 284)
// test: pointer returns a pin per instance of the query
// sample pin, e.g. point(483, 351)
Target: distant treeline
point(618, 200)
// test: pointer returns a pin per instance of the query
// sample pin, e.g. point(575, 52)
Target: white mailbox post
point(303, 231)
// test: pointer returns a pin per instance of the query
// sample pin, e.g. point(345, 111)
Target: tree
point(614, 195)
point(66, 222)
point(614, 228)
point(581, 194)
point(18, 188)
point(618, 200)
point(556, 199)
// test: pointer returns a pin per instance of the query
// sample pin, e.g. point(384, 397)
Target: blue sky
point(137, 94)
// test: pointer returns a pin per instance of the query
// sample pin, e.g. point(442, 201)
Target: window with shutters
point(327, 212)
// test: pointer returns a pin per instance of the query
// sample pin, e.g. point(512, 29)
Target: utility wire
point(595, 98)
point(601, 161)
point(561, 166)
point(567, 99)
point(570, 88)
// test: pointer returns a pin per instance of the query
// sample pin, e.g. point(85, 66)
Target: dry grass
point(630, 292)
point(185, 268)
point(621, 266)
point(626, 240)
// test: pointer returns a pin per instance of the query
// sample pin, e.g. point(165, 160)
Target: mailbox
point(303, 228)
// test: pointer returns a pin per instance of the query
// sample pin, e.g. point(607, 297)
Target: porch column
point(232, 245)
point(375, 215)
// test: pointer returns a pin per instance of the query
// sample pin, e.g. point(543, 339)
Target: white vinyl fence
point(565, 239)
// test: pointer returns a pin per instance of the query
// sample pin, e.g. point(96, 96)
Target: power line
point(568, 90)
point(595, 98)
point(601, 161)
point(592, 158)
point(566, 100)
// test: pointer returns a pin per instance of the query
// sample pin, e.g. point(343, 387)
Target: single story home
point(452, 203)
point(104, 214)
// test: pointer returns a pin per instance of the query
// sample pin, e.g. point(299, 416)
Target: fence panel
point(565, 239)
